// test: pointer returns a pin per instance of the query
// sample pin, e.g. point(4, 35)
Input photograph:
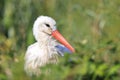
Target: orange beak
point(62, 40)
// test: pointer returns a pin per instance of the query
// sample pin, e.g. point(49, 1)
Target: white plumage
point(45, 49)
point(41, 52)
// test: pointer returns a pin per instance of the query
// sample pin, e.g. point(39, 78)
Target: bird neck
point(44, 39)
point(47, 44)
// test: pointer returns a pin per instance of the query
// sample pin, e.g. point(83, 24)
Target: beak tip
point(61, 39)
point(73, 51)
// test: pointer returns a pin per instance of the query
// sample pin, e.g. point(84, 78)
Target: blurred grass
point(91, 26)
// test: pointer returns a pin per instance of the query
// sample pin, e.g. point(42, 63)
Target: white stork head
point(44, 27)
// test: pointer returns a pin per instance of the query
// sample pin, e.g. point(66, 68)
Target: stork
point(46, 49)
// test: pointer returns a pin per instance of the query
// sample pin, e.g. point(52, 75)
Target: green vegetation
point(91, 26)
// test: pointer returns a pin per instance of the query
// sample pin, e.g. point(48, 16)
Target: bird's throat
point(44, 40)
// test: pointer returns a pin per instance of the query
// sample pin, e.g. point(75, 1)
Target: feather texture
point(46, 49)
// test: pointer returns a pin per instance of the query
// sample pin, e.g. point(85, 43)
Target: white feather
point(43, 51)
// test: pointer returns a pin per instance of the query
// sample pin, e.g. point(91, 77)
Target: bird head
point(46, 26)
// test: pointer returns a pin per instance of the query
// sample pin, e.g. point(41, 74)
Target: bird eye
point(47, 25)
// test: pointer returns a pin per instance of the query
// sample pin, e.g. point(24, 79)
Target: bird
point(48, 46)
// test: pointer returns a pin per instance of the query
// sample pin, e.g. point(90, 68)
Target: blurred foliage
point(91, 26)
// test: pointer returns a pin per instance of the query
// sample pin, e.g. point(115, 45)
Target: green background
point(92, 27)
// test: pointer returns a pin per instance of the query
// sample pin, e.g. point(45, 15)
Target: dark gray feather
point(62, 49)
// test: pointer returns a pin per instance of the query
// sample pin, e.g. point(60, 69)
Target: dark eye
point(47, 25)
